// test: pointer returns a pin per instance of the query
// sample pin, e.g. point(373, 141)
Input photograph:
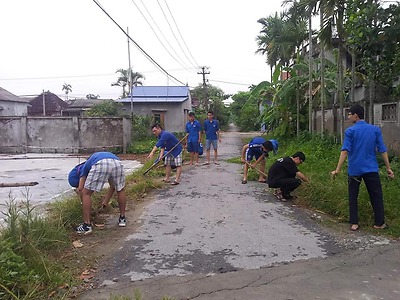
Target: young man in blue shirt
point(257, 148)
point(90, 176)
point(361, 142)
point(211, 129)
point(168, 142)
point(193, 128)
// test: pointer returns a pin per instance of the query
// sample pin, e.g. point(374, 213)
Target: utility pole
point(44, 103)
point(204, 72)
point(130, 74)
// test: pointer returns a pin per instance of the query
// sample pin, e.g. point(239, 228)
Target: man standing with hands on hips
point(361, 142)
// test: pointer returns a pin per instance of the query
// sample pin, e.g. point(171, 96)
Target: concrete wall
point(390, 129)
point(11, 108)
point(63, 134)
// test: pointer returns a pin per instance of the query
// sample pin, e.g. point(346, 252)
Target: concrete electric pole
point(204, 72)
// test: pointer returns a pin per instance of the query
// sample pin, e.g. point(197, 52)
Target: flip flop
point(244, 181)
point(175, 183)
point(217, 163)
point(279, 197)
point(354, 227)
point(166, 181)
point(384, 226)
point(262, 181)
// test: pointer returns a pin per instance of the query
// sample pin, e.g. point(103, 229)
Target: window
point(389, 112)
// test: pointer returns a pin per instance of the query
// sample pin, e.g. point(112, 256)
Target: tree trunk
point(310, 49)
point(322, 89)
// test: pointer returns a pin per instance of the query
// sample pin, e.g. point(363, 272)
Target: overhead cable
point(180, 34)
point(137, 45)
point(173, 33)
point(181, 63)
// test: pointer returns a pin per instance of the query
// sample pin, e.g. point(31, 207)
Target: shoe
point(122, 221)
point(83, 229)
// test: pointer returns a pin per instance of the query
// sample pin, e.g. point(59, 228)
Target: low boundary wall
point(63, 134)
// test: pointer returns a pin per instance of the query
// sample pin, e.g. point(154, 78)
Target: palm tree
point(67, 88)
point(128, 79)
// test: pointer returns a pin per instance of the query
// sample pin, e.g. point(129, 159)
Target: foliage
point(28, 247)
point(127, 78)
point(373, 33)
point(141, 146)
point(214, 96)
point(106, 108)
point(92, 96)
point(329, 194)
point(140, 127)
point(245, 111)
point(67, 88)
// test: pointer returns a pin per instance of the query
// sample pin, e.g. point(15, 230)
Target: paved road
point(213, 238)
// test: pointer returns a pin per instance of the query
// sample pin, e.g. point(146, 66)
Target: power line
point(137, 45)
point(173, 33)
point(155, 33)
point(176, 25)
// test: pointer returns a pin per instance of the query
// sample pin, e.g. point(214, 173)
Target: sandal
point(244, 181)
point(175, 183)
point(166, 181)
point(354, 227)
point(383, 226)
point(217, 163)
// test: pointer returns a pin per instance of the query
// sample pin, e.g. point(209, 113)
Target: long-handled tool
point(257, 170)
point(158, 160)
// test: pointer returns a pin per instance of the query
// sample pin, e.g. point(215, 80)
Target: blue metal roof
point(158, 94)
point(153, 99)
point(160, 91)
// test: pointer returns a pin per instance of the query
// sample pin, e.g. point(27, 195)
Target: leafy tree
point(373, 33)
point(245, 112)
point(92, 96)
point(215, 97)
point(67, 88)
point(128, 80)
point(106, 108)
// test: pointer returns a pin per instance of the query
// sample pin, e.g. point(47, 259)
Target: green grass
point(329, 194)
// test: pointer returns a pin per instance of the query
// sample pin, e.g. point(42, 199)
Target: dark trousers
point(374, 188)
point(287, 185)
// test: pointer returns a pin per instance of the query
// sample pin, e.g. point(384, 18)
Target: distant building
point(47, 104)
point(78, 107)
point(12, 105)
point(167, 105)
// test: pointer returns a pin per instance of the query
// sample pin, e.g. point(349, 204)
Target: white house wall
point(11, 108)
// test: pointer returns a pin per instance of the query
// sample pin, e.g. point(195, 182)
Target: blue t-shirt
point(193, 129)
point(167, 140)
point(211, 129)
point(94, 158)
point(257, 142)
point(362, 141)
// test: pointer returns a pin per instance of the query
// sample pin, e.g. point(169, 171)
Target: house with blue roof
point(167, 105)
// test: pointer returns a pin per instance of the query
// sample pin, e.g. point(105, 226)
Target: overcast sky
point(46, 43)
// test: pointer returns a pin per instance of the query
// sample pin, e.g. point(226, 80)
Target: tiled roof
point(7, 96)
point(53, 104)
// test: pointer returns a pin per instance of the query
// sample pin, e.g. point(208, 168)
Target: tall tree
point(67, 88)
point(127, 79)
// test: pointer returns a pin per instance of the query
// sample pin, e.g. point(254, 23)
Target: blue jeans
point(374, 188)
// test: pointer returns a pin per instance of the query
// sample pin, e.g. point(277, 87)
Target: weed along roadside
point(208, 236)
